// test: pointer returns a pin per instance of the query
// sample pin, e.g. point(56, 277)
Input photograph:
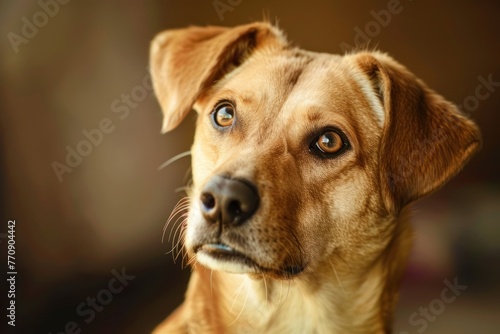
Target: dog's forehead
point(295, 88)
point(304, 77)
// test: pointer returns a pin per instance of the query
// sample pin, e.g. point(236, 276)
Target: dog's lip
point(219, 247)
point(223, 252)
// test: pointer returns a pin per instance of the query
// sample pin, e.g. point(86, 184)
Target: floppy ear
point(425, 139)
point(186, 61)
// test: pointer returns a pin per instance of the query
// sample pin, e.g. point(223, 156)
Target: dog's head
point(299, 156)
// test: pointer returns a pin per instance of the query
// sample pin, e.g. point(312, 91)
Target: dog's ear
point(184, 62)
point(425, 139)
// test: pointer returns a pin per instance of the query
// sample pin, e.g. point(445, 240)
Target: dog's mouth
point(219, 256)
point(222, 257)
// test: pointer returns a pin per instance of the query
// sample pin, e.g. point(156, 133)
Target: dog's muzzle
point(221, 241)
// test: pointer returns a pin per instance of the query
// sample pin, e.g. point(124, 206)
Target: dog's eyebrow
point(313, 116)
point(247, 98)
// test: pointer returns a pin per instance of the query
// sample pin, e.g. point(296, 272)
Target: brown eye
point(223, 115)
point(330, 142)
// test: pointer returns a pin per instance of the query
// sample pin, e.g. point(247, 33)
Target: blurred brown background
point(79, 63)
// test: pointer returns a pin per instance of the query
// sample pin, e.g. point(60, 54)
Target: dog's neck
point(338, 300)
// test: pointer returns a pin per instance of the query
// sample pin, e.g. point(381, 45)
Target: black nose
point(228, 201)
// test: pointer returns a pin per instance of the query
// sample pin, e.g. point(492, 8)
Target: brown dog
point(302, 164)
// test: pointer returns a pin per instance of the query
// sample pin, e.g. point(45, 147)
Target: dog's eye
point(223, 115)
point(329, 143)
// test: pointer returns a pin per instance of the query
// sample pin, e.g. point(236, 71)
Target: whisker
point(180, 242)
point(280, 304)
point(242, 308)
point(190, 261)
point(180, 250)
point(287, 292)
point(211, 282)
point(174, 159)
point(173, 229)
point(338, 278)
point(182, 205)
point(177, 221)
point(236, 294)
point(183, 217)
point(265, 286)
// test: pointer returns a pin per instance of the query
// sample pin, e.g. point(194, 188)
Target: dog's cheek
point(337, 221)
point(315, 234)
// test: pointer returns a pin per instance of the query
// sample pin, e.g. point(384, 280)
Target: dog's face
point(304, 137)
point(300, 159)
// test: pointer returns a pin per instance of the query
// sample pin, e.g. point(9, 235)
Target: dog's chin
point(224, 258)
